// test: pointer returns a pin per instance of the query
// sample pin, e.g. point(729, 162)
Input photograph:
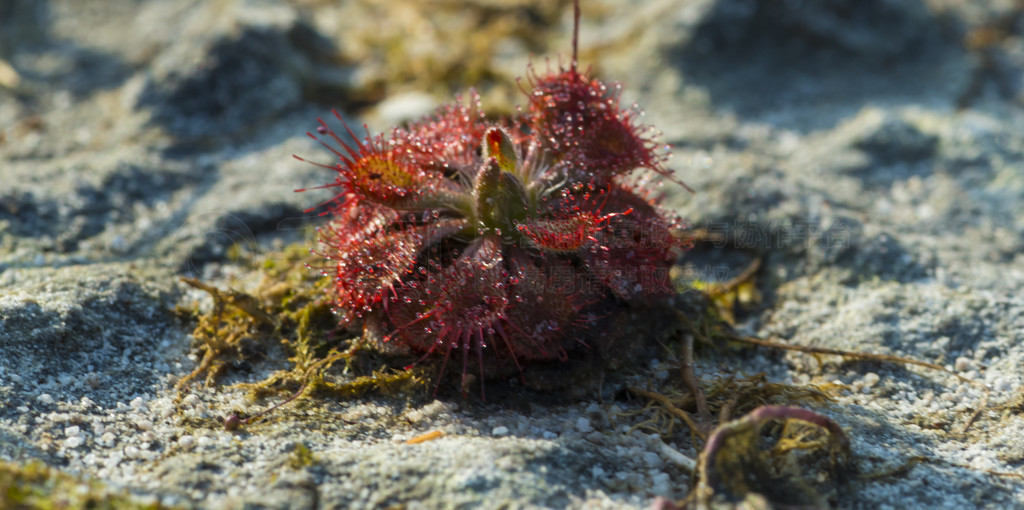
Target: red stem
point(575, 33)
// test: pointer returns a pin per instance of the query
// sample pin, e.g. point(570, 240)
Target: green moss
point(301, 457)
point(36, 486)
point(289, 307)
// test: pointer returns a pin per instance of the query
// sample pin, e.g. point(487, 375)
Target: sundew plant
point(496, 240)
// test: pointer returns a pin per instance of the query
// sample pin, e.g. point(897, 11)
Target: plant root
point(886, 358)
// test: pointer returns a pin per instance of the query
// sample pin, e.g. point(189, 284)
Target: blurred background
point(164, 128)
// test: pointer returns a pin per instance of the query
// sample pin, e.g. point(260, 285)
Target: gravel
point(140, 143)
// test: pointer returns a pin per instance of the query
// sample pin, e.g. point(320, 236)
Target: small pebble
point(583, 425)
point(962, 364)
point(660, 483)
point(499, 431)
point(73, 442)
point(186, 442)
point(870, 379)
point(1003, 384)
point(652, 459)
point(45, 398)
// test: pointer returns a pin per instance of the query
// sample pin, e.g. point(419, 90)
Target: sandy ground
point(872, 151)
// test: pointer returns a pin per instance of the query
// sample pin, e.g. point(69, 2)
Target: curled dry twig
point(736, 468)
point(734, 465)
